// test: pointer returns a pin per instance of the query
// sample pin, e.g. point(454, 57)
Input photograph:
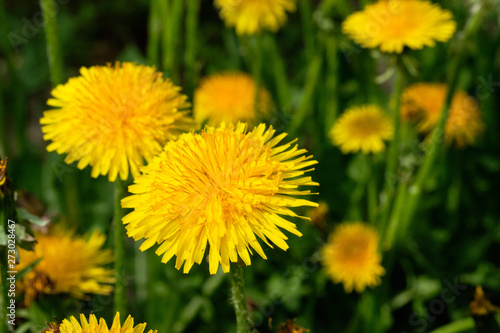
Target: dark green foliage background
point(456, 234)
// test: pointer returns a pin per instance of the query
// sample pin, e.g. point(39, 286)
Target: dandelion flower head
point(114, 117)
point(230, 97)
point(394, 24)
point(351, 258)
point(253, 16)
point(363, 129)
point(423, 102)
point(93, 326)
point(224, 188)
point(69, 264)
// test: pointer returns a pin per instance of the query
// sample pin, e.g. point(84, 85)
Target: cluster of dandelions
point(230, 186)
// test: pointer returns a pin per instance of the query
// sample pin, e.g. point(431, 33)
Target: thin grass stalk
point(307, 102)
point(391, 175)
point(193, 9)
point(372, 192)
point(307, 27)
point(239, 299)
point(171, 18)
point(279, 71)
point(437, 135)
point(332, 82)
point(57, 76)
point(120, 297)
point(154, 33)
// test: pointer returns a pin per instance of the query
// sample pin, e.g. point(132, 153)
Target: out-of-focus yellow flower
point(319, 215)
point(114, 117)
point(363, 129)
point(68, 264)
point(351, 256)
point(224, 187)
point(253, 16)
point(92, 326)
point(291, 327)
point(424, 102)
point(481, 306)
point(394, 24)
point(230, 97)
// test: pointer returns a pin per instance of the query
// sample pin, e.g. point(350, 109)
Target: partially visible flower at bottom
point(351, 256)
point(93, 326)
point(67, 264)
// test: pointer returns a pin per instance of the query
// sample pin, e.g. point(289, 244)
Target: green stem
point(372, 192)
point(57, 76)
point(239, 299)
point(171, 18)
point(154, 33)
point(193, 8)
point(461, 325)
point(53, 46)
point(332, 82)
point(120, 296)
point(256, 61)
point(307, 27)
point(279, 71)
point(307, 102)
point(412, 197)
point(391, 175)
point(392, 227)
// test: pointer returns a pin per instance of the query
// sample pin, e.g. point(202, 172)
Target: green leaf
point(25, 215)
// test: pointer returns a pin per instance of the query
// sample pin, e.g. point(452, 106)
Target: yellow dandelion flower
point(362, 128)
point(69, 264)
point(114, 117)
point(224, 187)
point(424, 102)
point(230, 97)
point(253, 16)
point(93, 326)
point(394, 24)
point(351, 256)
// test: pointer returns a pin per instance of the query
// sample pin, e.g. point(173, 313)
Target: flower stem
point(193, 8)
point(53, 46)
point(280, 77)
point(239, 298)
point(307, 27)
point(437, 135)
point(391, 176)
point(307, 102)
point(57, 76)
point(332, 82)
point(119, 247)
point(372, 192)
point(154, 33)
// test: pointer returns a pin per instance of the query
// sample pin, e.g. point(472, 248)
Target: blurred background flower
point(351, 256)
point(63, 262)
point(231, 97)
point(253, 16)
point(424, 103)
point(363, 128)
point(392, 25)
